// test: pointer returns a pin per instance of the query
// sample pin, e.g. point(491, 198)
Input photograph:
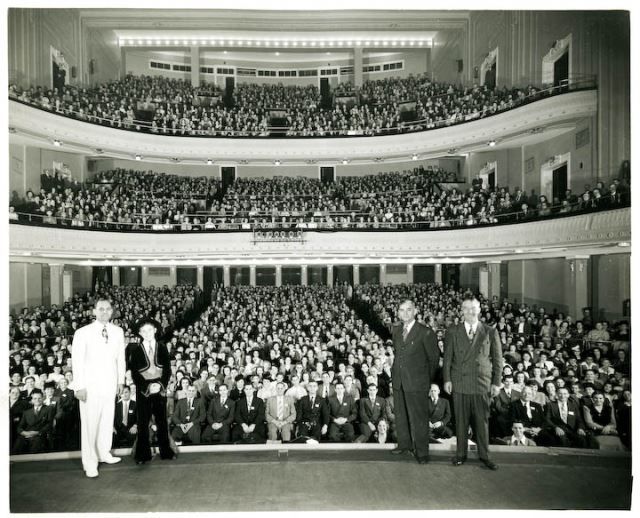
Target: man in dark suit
point(342, 413)
point(150, 369)
point(564, 423)
point(220, 416)
point(250, 426)
point(17, 407)
point(35, 427)
point(500, 420)
point(188, 417)
point(125, 429)
point(532, 416)
point(390, 416)
point(312, 414)
point(67, 433)
point(472, 370)
point(371, 412)
point(415, 364)
point(325, 388)
point(439, 414)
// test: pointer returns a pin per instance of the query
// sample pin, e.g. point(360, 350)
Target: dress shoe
point(112, 460)
point(422, 460)
point(399, 451)
point(489, 464)
point(140, 462)
point(458, 461)
point(91, 473)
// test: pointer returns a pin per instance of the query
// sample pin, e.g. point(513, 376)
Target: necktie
point(190, 405)
point(280, 408)
point(105, 335)
point(125, 410)
point(249, 404)
point(36, 411)
point(222, 402)
point(405, 332)
point(563, 412)
point(312, 401)
point(528, 410)
point(471, 333)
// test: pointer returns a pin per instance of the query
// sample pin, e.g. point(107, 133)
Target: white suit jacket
point(98, 364)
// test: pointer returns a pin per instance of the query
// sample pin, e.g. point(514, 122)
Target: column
point(357, 66)
point(278, 275)
point(200, 277)
point(329, 275)
point(252, 275)
point(483, 280)
point(56, 284)
point(383, 274)
point(356, 274)
point(409, 274)
point(438, 274)
point(226, 276)
point(115, 276)
point(144, 277)
point(195, 66)
point(123, 63)
point(67, 285)
point(493, 269)
point(304, 275)
point(578, 292)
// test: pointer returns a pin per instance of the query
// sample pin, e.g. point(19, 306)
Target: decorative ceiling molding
point(508, 129)
point(597, 233)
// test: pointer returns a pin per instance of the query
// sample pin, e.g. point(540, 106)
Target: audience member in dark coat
point(35, 427)
point(250, 425)
point(312, 414)
point(439, 414)
point(125, 429)
point(220, 416)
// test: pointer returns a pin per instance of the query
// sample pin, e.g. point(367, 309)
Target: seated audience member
point(280, 414)
point(125, 429)
point(381, 435)
point(220, 416)
point(439, 414)
point(17, 407)
point(313, 414)
point(249, 418)
point(35, 427)
point(564, 423)
point(532, 417)
point(389, 415)
point(29, 387)
point(600, 417)
point(371, 412)
point(296, 391)
point(342, 413)
point(518, 438)
point(623, 418)
point(500, 419)
point(188, 417)
point(67, 430)
point(350, 388)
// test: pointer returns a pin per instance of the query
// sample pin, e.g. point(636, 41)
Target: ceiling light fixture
point(57, 143)
point(209, 161)
point(138, 157)
point(414, 157)
point(277, 162)
point(491, 143)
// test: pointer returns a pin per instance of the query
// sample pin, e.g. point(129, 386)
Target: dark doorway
point(187, 276)
point(451, 275)
point(228, 177)
point(212, 276)
point(266, 276)
point(291, 276)
point(327, 174)
point(559, 182)
point(561, 70)
point(240, 276)
point(317, 275)
point(103, 275)
point(59, 76)
point(491, 180)
point(424, 274)
point(343, 273)
point(370, 274)
point(130, 276)
point(325, 93)
point(229, 86)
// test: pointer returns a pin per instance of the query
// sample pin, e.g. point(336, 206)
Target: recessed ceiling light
point(345, 161)
point(277, 162)
point(624, 244)
point(209, 161)
point(277, 53)
point(491, 143)
point(224, 52)
point(414, 157)
point(138, 157)
point(57, 143)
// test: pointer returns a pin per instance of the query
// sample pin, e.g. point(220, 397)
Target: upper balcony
point(527, 123)
point(585, 234)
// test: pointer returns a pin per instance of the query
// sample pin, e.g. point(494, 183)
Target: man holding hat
point(150, 370)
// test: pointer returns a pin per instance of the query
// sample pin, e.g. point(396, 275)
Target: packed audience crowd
point(310, 364)
point(40, 346)
point(412, 199)
point(173, 107)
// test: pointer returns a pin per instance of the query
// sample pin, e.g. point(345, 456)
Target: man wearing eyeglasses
point(98, 362)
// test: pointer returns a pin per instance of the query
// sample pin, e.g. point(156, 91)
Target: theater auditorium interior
point(269, 187)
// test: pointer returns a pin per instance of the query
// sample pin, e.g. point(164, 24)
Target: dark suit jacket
point(441, 411)
point(183, 415)
point(389, 414)
point(347, 409)
point(138, 363)
point(519, 413)
point(502, 402)
point(371, 413)
point(574, 419)
point(42, 423)
point(332, 390)
point(131, 415)
point(472, 367)
point(252, 415)
point(16, 411)
point(319, 413)
point(207, 395)
point(416, 358)
point(217, 413)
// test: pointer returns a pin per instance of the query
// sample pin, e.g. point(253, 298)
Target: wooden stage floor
point(325, 480)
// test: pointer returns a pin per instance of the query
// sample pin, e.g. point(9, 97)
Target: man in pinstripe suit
point(472, 370)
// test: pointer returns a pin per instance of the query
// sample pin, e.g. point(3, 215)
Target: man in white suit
point(280, 414)
point(98, 363)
